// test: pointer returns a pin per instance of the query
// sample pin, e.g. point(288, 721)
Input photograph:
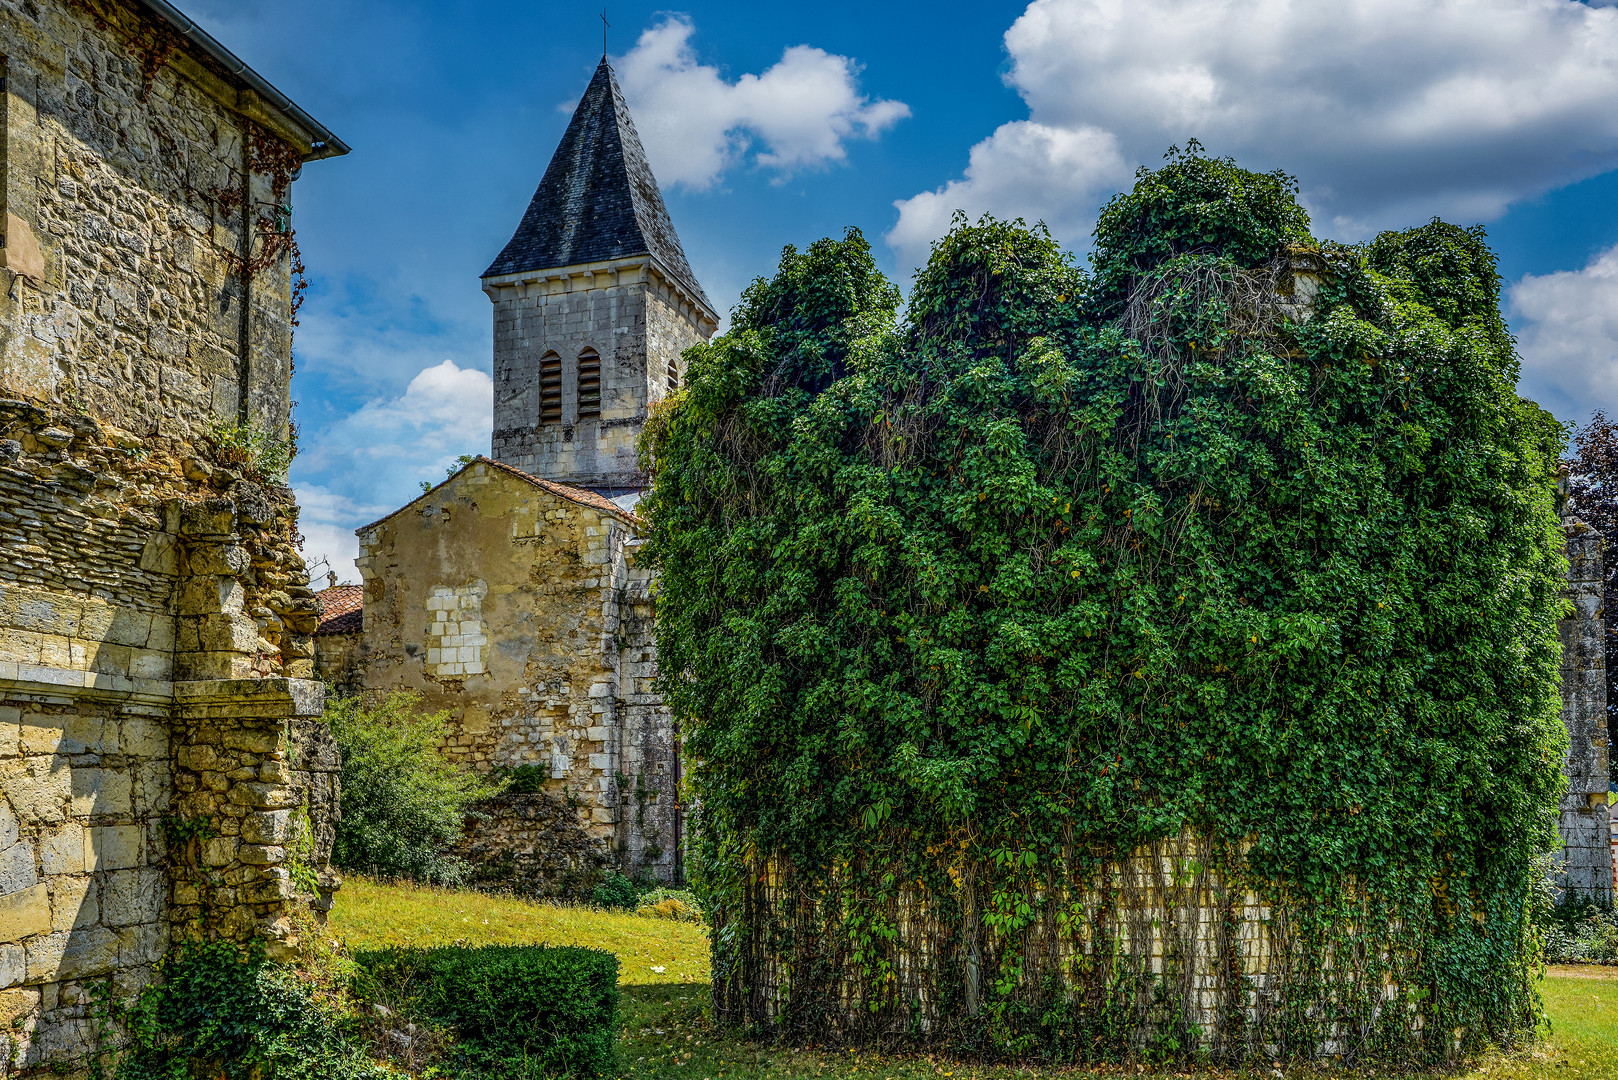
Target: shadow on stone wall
point(533, 845)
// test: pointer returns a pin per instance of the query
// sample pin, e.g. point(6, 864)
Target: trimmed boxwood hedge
point(517, 1010)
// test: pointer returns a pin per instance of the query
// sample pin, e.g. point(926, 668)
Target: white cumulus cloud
point(1388, 111)
point(798, 113)
point(1568, 337)
point(372, 461)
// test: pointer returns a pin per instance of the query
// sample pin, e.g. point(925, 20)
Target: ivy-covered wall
point(1155, 660)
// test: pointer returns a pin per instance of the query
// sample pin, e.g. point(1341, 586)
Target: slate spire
point(598, 199)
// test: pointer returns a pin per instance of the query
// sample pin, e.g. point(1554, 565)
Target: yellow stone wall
point(521, 612)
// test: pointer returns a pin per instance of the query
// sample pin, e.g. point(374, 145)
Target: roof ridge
point(580, 495)
point(598, 199)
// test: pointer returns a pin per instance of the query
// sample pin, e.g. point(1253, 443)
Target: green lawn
point(663, 969)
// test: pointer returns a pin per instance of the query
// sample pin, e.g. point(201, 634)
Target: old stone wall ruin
point(162, 765)
point(1584, 822)
point(515, 605)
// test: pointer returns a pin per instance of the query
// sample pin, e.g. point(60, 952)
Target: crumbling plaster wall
point(562, 642)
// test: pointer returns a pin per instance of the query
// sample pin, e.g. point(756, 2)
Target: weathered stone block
point(74, 904)
point(88, 952)
point(267, 796)
point(270, 827)
point(102, 791)
point(64, 850)
point(141, 737)
point(114, 847)
point(219, 850)
point(25, 913)
point(134, 896)
point(38, 787)
point(13, 970)
point(17, 867)
point(42, 733)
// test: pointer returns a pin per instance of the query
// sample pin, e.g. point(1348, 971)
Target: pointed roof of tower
point(598, 199)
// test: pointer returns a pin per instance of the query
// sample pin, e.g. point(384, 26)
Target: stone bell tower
point(593, 305)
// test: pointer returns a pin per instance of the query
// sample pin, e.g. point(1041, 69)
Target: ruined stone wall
point(162, 768)
point(534, 844)
point(519, 611)
point(1585, 826)
point(338, 661)
point(632, 317)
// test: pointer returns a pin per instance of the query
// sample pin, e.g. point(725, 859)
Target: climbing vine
point(1156, 660)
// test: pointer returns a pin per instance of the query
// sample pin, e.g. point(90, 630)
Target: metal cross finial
point(604, 25)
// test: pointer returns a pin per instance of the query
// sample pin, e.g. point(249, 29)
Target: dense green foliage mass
point(1237, 535)
point(217, 1013)
point(403, 803)
point(519, 1012)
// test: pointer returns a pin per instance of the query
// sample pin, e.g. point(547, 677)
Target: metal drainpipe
point(244, 360)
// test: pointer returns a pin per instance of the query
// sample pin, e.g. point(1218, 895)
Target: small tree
point(1593, 496)
point(403, 803)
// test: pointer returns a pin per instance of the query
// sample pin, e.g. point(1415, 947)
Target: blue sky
point(777, 124)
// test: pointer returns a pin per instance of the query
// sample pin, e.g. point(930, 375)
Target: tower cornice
point(604, 274)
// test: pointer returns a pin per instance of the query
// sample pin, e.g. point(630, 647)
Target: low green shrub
point(403, 803)
point(518, 1011)
point(1580, 932)
point(523, 779)
point(223, 1013)
point(617, 892)
point(679, 904)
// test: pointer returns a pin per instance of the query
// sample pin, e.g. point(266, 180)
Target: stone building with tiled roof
point(508, 595)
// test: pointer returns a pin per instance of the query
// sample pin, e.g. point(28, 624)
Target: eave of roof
point(580, 496)
point(318, 141)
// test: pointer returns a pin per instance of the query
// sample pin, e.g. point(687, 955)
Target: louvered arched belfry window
point(589, 384)
point(550, 389)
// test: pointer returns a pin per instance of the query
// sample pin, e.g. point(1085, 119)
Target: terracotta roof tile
point(342, 609)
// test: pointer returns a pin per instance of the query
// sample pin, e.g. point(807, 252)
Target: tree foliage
point(403, 803)
point(974, 604)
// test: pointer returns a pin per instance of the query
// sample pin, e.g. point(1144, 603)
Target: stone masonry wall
point(552, 669)
point(1585, 825)
point(638, 324)
point(162, 766)
point(125, 230)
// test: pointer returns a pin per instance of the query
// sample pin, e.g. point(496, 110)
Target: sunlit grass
point(666, 1034)
point(371, 915)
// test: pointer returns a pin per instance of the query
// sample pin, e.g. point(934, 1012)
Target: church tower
point(593, 305)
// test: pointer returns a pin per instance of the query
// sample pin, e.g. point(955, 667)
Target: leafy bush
point(960, 612)
point(617, 892)
point(220, 1013)
point(523, 779)
point(1580, 932)
point(254, 452)
point(402, 802)
point(679, 904)
point(517, 1011)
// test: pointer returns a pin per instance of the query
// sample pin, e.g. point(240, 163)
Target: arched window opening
point(674, 375)
point(589, 384)
point(550, 389)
